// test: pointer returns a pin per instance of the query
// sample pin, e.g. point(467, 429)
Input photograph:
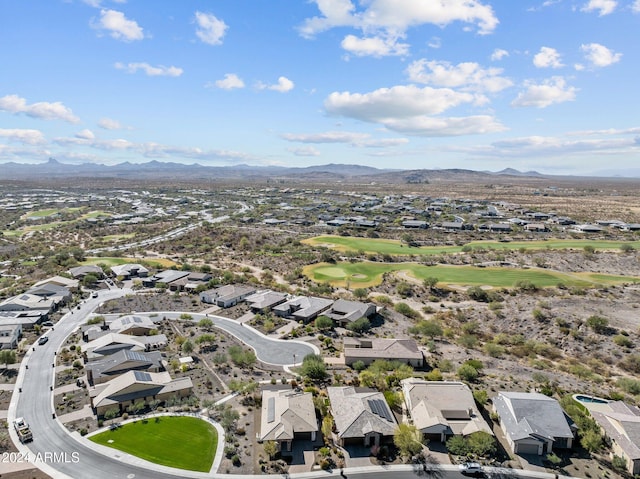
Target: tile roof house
point(130, 270)
point(133, 386)
point(440, 409)
point(361, 416)
point(108, 367)
point(344, 312)
point(369, 349)
point(620, 423)
point(133, 324)
point(287, 415)
point(227, 295)
point(264, 301)
point(10, 335)
point(305, 308)
point(113, 342)
point(533, 423)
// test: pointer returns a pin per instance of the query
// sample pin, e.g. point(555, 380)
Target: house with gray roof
point(10, 335)
point(305, 308)
point(130, 270)
point(620, 423)
point(227, 295)
point(71, 284)
point(167, 277)
point(109, 367)
point(361, 416)
point(287, 415)
point(28, 302)
point(80, 272)
point(264, 301)
point(26, 319)
point(533, 423)
point(368, 350)
point(133, 386)
point(113, 342)
point(441, 409)
point(344, 312)
point(133, 324)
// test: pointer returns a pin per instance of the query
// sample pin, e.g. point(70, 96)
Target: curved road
point(64, 456)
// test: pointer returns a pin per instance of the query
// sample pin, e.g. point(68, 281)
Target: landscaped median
point(182, 442)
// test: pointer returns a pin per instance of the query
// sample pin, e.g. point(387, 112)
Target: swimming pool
point(589, 399)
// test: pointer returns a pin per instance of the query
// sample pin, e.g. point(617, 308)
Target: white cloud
point(383, 20)
point(305, 151)
point(347, 137)
point(599, 55)
point(396, 102)
point(452, 126)
point(211, 30)
point(85, 134)
point(374, 46)
point(499, 54)
point(24, 136)
point(118, 26)
point(604, 7)
point(150, 70)
point(635, 7)
point(547, 57)
point(466, 75)
point(230, 81)
point(551, 91)
point(284, 85)
point(109, 124)
point(435, 43)
point(41, 110)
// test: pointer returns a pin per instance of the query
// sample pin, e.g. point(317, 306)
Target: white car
point(470, 468)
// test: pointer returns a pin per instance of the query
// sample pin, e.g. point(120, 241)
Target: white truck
point(22, 429)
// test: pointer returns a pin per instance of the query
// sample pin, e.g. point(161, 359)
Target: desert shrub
point(359, 325)
point(598, 324)
point(406, 310)
point(623, 341)
point(466, 372)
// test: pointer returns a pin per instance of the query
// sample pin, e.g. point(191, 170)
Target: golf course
point(366, 274)
point(398, 248)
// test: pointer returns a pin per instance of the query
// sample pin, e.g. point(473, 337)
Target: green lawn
point(366, 274)
point(181, 442)
point(395, 247)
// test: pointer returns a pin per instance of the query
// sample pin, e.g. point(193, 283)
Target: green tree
point(7, 356)
point(458, 445)
point(270, 447)
point(314, 368)
point(466, 372)
point(408, 440)
point(591, 440)
point(476, 293)
point(359, 325)
point(430, 328)
point(205, 323)
point(430, 282)
point(327, 428)
point(482, 443)
point(598, 324)
point(360, 293)
point(323, 323)
point(187, 347)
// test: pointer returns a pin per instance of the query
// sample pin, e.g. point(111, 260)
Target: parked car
point(43, 340)
point(471, 468)
point(94, 294)
point(48, 324)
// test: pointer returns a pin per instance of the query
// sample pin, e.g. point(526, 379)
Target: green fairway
point(366, 274)
point(395, 247)
point(96, 214)
point(113, 261)
point(181, 442)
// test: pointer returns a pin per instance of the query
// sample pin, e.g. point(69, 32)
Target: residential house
point(536, 227)
point(70, 284)
point(533, 423)
point(369, 349)
point(58, 294)
point(28, 302)
point(10, 335)
point(133, 324)
point(586, 228)
point(620, 423)
point(344, 312)
point(264, 301)
point(361, 416)
point(26, 319)
point(113, 342)
point(130, 270)
point(287, 415)
point(190, 282)
point(134, 386)
point(305, 308)
point(80, 272)
point(415, 224)
point(164, 277)
point(227, 295)
point(108, 367)
point(440, 409)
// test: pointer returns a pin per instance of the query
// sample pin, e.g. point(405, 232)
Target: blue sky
point(538, 85)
